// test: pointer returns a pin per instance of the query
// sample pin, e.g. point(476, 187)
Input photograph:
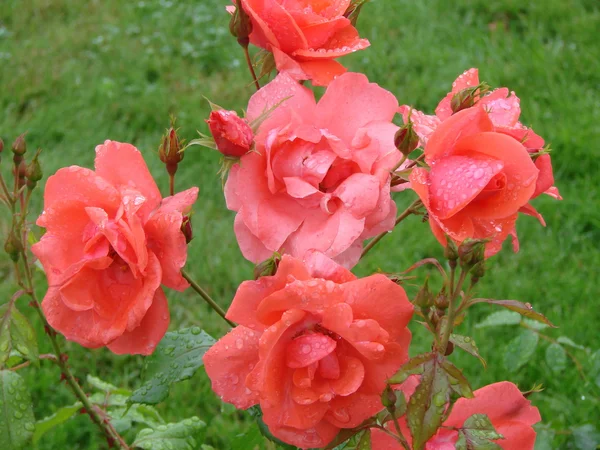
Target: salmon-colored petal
point(282, 90)
point(526, 136)
point(351, 411)
point(351, 102)
point(546, 177)
point(321, 72)
point(319, 33)
point(380, 440)
point(123, 165)
point(453, 130)
point(503, 107)
point(469, 78)
point(320, 266)
point(315, 437)
point(251, 293)
point(308, 349)
point(553, 192)
point(376, 297)
point(144, 339)
point(280, 22)
point(457, 180)
point(312, 296)
point(517, 436)
point(231, 198)
point(496, 229)
point(304, 376)
point(81, 185)
point(352, 373)
point(521, 174)
point(329, 367)
point(262, 36)
point(531, 211)
point(181, 202)
point(229, 362)
point(250, 246)
point(423, 124)
point(359, 193)
point(502, 402)
point(343, 42)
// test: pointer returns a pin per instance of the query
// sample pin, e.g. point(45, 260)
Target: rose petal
point(308, 349)
point(469, 78)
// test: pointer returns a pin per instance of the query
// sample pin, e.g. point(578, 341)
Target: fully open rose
point(504, 109)
point(305, 36)
point(319, 174)
point(510, 413)
point(478, 182)
point(314, 347)
point(110, 241)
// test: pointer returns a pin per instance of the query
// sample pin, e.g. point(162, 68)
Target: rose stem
point(251, 67)
point(195, 286)
point(410, 210)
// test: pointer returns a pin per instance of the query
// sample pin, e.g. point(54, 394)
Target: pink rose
point(504, 111)
point(305, 36)
point(319, 175)
point(314, 347)
point(232, 134)
point(510, 413)
point(111, 240)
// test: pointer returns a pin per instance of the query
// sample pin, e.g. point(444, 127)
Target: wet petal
point(308, 349)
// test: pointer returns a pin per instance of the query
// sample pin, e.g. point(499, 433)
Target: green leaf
point(16, 333)
point(173, 436)
point(566, 341)
point(426, 407)
point(544, 439)
point(56, 419)
point(365, 441)
point(556, 357)
point(586, 437)
point(176, 358)
point(520, 350)
point(412, 367)
point(103, 386)
point(525, 309)
point(123, 418)
point(458, 382)
point(16, 413)
point(477, 433)
point(251, 439)
point(500, 318)
point(468, 345)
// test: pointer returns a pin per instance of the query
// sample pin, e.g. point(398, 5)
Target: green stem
point(410, 210)
point(400, 436)
point(207, 298)
point(452, 309)
point(91, 410)
point(251, 67)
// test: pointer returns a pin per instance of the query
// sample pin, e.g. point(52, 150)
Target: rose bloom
point(510, 413)
point(479, 179)
point(319, 174)
point(305, 36)
point(314, 347)
point(110, 241)
point(504, 110)
point(232, 134)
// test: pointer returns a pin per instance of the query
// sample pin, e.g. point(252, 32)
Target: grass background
point(76, 72)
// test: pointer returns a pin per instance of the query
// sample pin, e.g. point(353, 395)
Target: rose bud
point(406, 140)
point(232, 134)
point(169, 150)
point(240, 25)
point(465, 98)
point(19, 147)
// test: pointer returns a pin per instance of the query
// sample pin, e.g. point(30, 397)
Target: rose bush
point(314, 347)
point(305, 36)
point(319, 175)
point(111, 240)
point(510, 413)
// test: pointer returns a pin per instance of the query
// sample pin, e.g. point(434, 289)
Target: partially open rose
point(504, 109)
point(479, 180)
point(305, 36)
point(314, 347)
point(319, 174)
point(110, 242)
point(510, 413)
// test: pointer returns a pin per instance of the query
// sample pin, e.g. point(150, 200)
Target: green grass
point(74, 73)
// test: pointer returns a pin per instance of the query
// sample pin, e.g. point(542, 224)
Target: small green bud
point(19, 147)
point(240, 25)
point(471, 252)
point(186, 229)
point(405, 139)
point(388, 399)
point(268, 267)
point(169, 150)
point(451, 251)
point(13, 246)
point(467, 97)
point(33, 171)
point(424, 297)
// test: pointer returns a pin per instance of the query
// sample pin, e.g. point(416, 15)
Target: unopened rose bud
point(388, 399)
point(353, 11)
point(13, 246)
point(467, 97)
point(20, 172)
point(471, 252)
point(19, 147)
point(240, 25)
point(186, 229)
point(406, 140)
point(477, 272)
point(169, 151)
point(33, 171)
point(233, 136)
point(424, 297)
point(268, 267)
point(451, 251)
